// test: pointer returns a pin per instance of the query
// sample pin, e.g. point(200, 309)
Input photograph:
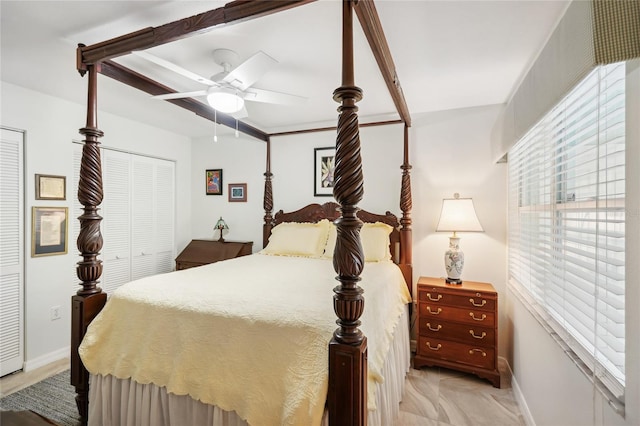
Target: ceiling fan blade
point(248, 72)
point(269, 96)
point(243, 113)
point(180, 95)
point(173, 67)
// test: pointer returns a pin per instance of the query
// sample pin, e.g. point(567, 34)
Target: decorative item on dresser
point(457, 215)
point(221, 226)
point(458, 327)
point(202, 252)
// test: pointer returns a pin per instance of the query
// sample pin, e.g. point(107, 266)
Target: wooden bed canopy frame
point(347, 394)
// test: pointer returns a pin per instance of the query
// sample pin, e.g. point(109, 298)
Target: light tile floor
point(433, 397)
point(442, 397)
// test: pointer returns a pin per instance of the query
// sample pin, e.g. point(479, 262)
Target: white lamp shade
point(225, 100)
point(458, 215)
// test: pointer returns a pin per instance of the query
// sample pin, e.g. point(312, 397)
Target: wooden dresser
point(458, 327)
point(201, 252)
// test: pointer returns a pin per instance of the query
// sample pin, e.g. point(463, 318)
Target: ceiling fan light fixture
point(225, 100)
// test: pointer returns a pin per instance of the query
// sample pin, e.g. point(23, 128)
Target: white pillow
point(331, 241)
point(298, 239)
point(374, 238)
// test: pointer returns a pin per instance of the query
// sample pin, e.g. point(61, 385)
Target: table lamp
point(221, 225)
point(457, 215)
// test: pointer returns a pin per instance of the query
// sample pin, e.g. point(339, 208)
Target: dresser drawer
point(477, 356)
point(478, 301)
point(449, 313)
point(464, 333)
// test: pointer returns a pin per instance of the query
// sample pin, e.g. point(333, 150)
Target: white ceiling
point(448, 55)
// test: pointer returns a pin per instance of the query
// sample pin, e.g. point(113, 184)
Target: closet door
point(116, 222)
point(143, 217)
point(138, 213)
point(153, 205)
point(164, 194)
point(11, 251)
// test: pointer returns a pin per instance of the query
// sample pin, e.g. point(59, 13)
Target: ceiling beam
point(234, 12)
point(372, 28)
point(141, 82)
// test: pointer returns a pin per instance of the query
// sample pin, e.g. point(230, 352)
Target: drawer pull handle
point(472, 315)
point(432, 312)
point(473, 302)
point(482, 336)
point(432, 328)
point(437, 348)
point(471, 352)
point(435, 299)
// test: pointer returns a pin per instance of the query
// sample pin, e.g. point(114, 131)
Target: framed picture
point(324, 161)
point(214, 182)
point(49, 187)
point(48, 231)
point(237, 192)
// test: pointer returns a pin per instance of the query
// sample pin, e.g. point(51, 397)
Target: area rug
point(53, 398)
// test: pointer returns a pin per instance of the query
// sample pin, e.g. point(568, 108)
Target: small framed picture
point(49, 231)
point(49, 187)
point(237, 192)
point(214, 182)
point(324, 161)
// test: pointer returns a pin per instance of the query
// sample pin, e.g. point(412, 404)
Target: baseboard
point(522, 403)
point(43, 360)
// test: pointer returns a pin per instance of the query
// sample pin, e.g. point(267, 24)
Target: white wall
point(450, 152)
point(51, 125)
point(242, 160)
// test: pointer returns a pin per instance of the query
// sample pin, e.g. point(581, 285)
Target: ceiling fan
point(229, 89)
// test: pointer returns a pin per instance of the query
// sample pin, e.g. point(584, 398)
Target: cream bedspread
point(248, 335)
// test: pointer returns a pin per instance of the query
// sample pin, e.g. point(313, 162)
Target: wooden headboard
point(316, 212)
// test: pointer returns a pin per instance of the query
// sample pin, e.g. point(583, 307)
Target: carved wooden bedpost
point(90, 299)
point(406, 256)
point(348, 348)
point(267, 199)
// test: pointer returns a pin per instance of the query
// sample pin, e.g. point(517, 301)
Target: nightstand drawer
point(464, 333)
point(477, 356)
point(449, 313)
point(478, 301)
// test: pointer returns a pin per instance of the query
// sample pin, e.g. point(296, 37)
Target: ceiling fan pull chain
point(215, 125)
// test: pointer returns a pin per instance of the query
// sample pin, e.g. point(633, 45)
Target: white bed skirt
point(123, 402)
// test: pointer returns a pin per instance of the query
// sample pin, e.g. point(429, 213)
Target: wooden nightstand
point(458, 327)
point(201, 252)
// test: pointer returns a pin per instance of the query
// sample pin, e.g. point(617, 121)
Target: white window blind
point(566, 223)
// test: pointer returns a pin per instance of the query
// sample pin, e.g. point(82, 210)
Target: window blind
point(566, 222)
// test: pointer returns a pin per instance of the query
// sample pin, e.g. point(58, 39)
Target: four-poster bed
point(348, 374)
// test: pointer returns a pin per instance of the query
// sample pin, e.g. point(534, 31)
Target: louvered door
point(143, 215)
point(164, 213)
point(116, 222)
point(11, 251)
point(138, 213)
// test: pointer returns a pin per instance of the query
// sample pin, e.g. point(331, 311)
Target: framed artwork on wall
point(237, 192)
point(49, 231)
point(213, 182)
point(324, 165)
point(49, 187)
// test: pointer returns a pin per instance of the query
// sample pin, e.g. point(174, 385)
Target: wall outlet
point(55, 313)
